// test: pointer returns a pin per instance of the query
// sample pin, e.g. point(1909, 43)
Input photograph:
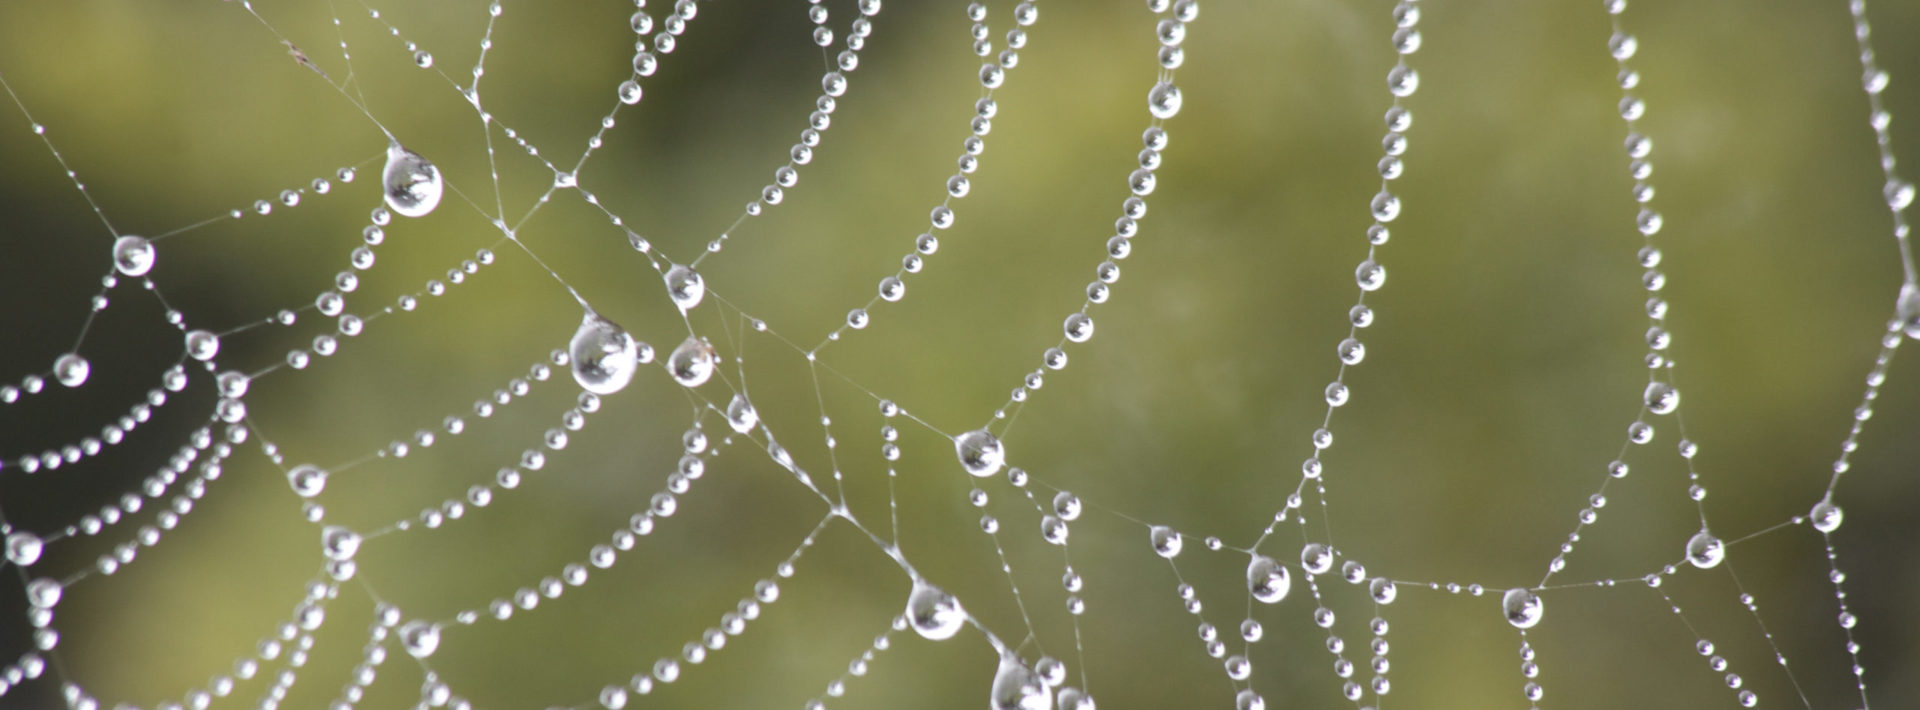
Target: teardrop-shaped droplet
point(412, 184)
point(685, 287)
point(307, 480)
point(1166, 541)
point(933, 613)
point(1907, 310)
point(420, 638)
point(603, 355)
point(980, 452)
point(1163, 101)
point(741, 415)
point(691, 364)
point(1017, 687)
point(1705, 551)
point(133, 255)
point(1522, 607)
point(1268, 581)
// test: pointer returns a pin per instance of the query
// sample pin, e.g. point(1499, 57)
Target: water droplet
point(1370, 275)
point(1078, 327)
point(1352, 351)
point(1385, 206)
point(43, 593)
point(1016, 687)
point(933, 613)
point(1268, 581)
point(1053, 529)
point(1383, 590)
point(1316, 558)
point(339, 543)
point(1661, 398)
point(1908, 309)
point(71, 370)
point(1705, 551)
point(980, 453)
point(691, 363)
point(629, 92)
point(891, 288)
point(307, 480)
point(420, 638)
point(685, 287)
point(603, 355)
point(1163, 101)
point(1825, 516)
point(133, 255)
point(1066, 505)
point(741, 415)
point(23, 548)
point(1522, 607)
point(1246, 699)
point(1166, 541)
point(422, 59)
point(202, 345)
point(412, 184)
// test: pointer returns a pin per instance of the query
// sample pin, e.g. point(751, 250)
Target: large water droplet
point(1522, 608)
point(339, 543)
point(1704, 550)
point(412, 183)
point(1163, 101)
point(1825, 516)
point(691, 364)
point(71, 369)
point(1370, 275)
point(307, 480)
point(133, 255)
point(1661, 398)
point(741, 415)
point(1078, 327)
point(420, 638)
point(685, 287)
point(1267, 580)
point(1166, 541)
point(934, 614)
point(43, 593)
point(1384, 591)
point(603, 355)
point(980, 452)
point(1016, 687)
point(202, 345)
point(23, 548)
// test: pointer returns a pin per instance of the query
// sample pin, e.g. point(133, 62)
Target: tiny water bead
point(71, 370)
point(412, 184)
point(1268, 581)
point(933, 613)
point(603, 355)
point(692, 362)
point(1522, 608)
point(1165, 540)
point(132, 256)
point(307, 480)
point(1705, 551)
point(980, 453)
point(1017, 687)
point(685, 287)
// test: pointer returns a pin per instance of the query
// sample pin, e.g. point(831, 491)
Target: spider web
point(502, 451)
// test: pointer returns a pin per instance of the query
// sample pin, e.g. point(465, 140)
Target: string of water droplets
point(604, 358)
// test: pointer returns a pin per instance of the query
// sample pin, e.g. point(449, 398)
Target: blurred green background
point(1501, 373)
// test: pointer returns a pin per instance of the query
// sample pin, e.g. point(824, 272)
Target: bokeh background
point(1502, 371)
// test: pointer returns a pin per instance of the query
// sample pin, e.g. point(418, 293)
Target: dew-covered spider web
point(757, 353)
